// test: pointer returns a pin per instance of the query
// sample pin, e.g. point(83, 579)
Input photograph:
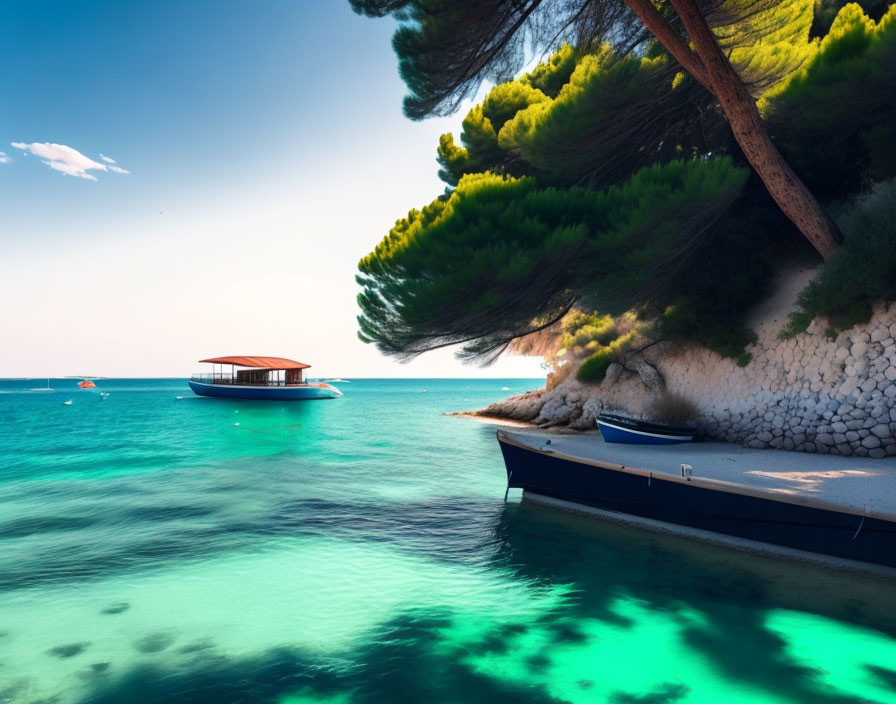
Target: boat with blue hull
point(259, 379)
point(822, 508)
point(640, 432)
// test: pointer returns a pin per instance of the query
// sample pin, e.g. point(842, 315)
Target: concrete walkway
point(853, 483)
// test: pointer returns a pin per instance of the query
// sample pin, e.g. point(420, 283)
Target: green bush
point(594, 369)
point(581, 329)
point(862, 272)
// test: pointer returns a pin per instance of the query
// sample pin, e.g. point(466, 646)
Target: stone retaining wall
point(810, 393)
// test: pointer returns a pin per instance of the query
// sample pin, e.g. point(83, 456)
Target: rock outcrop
point(817, 392)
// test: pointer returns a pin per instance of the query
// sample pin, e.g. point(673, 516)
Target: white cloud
point(67, 160)
point(4, 159)
point(107, 159)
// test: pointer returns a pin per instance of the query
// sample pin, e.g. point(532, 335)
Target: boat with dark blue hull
point(641, 432)
point(808, 506)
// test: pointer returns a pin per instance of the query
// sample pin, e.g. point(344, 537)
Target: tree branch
point(668, 37)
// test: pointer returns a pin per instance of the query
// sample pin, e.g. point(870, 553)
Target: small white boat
point(67, 403)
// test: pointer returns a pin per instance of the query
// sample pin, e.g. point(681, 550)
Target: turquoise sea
point(159, 547)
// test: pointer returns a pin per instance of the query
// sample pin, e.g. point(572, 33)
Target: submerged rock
point(68, 651)
point(154, 643)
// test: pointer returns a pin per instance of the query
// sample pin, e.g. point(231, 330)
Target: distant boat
point(640, 432)
point(260, 379)
point(86, 384)
point(67, 403)
point(41, 388)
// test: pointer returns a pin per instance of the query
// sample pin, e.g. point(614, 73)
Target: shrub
point(673, 409)
point(580, 329)
point(862, 272)
point(594, 369)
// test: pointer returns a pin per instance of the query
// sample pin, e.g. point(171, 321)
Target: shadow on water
point(406, 667)
point(734, 592)
point(408, 660)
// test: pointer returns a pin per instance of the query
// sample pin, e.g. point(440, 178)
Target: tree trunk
point(788, 191)
point(667, 36)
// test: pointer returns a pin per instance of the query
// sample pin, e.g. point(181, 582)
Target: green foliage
point(769, 44)
point(583, 329)
point(835, 120)
point(510, 251)
point(503, 256)
point(826, 12)
point(797, 323)
point(551, 75)
point(453, 159)
point(864, 271)
point(709, 300)
point(481, 151)
point(594, 369)
point(601, 128)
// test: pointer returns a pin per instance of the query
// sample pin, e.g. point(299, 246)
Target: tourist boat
point(86, 384)
point(641, 432)
point(819, 508)
point(259, 378)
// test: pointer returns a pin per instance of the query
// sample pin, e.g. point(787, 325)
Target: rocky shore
point(817, 392)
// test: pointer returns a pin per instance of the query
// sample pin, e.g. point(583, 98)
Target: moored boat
point(830, 509)
point(86, 384)
point(621, 429)
point(260, 379)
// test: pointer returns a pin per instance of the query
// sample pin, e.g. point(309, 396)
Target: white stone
point(848, 386)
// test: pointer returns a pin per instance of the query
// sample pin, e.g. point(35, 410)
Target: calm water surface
point(158, 547)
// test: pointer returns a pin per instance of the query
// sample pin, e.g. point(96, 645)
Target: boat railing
point(227, 379)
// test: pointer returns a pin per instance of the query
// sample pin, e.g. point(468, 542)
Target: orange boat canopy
point(258, 362)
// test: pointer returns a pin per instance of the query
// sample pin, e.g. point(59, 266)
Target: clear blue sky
point(266, 153)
